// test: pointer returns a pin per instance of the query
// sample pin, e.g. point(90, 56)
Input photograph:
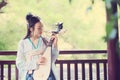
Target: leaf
point(118, 1)
point(109, 28)
point(89, 9)
point(112, 34)
point(105, 38)
point(108, 4)
point(92, 1)
point(70, 1)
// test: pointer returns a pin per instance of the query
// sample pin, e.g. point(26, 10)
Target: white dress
point(21, 62)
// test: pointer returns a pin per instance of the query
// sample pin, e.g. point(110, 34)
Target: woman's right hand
point(42, 60)
point(30, 72)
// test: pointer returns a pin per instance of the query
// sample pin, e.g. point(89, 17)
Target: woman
point(34, 41)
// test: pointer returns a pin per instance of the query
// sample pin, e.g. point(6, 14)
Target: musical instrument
point(43, 71)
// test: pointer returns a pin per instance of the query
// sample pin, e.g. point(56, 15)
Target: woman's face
point(38, 28)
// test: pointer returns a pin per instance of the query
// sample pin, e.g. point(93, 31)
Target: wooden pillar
point(113, 44)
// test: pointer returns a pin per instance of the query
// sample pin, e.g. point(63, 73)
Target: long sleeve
point(20, 60)
point(55, 54)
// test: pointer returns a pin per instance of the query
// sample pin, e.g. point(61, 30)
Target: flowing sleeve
point(55, 53)
point(20, 60)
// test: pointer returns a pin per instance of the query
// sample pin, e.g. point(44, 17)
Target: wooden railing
point(93, 69)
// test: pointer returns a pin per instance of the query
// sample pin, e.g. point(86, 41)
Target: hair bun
point(28, 17)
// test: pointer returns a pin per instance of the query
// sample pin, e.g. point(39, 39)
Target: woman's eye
point(39, 28)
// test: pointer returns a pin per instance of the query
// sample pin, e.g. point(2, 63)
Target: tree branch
point(2, 4)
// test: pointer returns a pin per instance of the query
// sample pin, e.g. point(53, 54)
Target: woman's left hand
point(54, 39)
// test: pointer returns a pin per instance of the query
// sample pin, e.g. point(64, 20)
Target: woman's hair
point(31, 21)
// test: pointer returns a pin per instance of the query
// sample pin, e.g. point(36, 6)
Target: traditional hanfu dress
point(26, 46)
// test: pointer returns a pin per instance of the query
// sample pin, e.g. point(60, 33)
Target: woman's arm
point(20, 60)
point(55, 40)
point(55, 51)
point(37, 52)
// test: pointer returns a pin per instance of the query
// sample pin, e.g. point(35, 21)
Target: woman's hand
point(42, 60)
point(54, 39)
point(30, 72)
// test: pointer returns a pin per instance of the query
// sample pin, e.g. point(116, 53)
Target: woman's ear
point(31, 29)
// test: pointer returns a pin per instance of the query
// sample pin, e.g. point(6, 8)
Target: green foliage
point(2, 46)
point(109, 28)
point(118, 2)
point(84, 30)
point(70, 1)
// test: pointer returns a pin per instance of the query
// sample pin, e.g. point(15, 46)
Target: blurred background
point(83, 21)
